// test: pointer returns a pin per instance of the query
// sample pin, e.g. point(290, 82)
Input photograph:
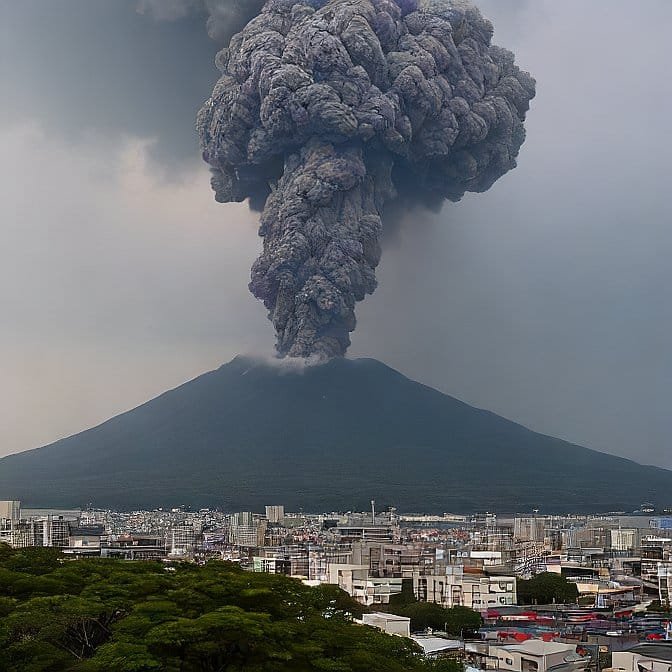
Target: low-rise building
point(359, 584)
point(86, 538)
point(436, 647)
point(536, 655)
point(655, 657)
point(388, 623)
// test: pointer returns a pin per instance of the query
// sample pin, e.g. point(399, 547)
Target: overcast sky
point(546, 300)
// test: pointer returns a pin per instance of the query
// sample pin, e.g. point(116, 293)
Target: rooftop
point(538, 647)
point(384, 616)
point(659, 650)
point(432, 644)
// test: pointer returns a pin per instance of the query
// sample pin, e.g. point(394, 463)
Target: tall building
point(56, 531)
point(275, 514)
point(10, 509)
point(183, 539)
point(246, 530)
point(528, 528)
point(624, 539)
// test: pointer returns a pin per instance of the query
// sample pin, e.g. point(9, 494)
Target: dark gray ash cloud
point(328, 112)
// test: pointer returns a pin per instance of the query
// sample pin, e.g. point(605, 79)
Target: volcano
point(322, 438)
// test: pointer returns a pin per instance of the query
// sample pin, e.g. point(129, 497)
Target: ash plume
point(328, 114)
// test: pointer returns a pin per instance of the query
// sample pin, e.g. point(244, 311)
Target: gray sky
point(545, 300)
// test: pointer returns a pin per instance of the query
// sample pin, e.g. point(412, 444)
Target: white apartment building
point(389, 623)
point(535, 655)
point(457, 588)
point(266, 565)
point(357, 582)
point(624, 539)
point(665, 582)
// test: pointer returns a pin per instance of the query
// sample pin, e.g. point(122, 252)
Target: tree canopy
point(453, 620)
point(94, 615)
point(547, 588)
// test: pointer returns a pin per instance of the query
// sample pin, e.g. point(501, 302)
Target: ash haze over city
point(544, 299)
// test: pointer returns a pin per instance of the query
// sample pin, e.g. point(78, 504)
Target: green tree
point(423, 615)
point(122, 657)
point(406, 596)
point(462, 619)
point(101, 615)
point(72, 624)
point(547, 588)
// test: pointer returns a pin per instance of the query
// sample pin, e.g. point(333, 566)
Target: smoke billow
point(327, 114)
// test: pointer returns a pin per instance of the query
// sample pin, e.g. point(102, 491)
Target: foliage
point(405, 597)
point(99, 615)
point(547, 588)
point(423, 615)
point(445, 665)
point(656, 607)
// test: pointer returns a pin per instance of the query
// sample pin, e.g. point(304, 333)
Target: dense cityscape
point(618, 568)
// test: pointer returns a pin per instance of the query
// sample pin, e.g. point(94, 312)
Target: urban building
point(388, 623)
point(135, 547)
point(10, 510)
point(528, 528)
point(359, 584)
point(626, 540)
point(183, 539)
point(536, 655)
point(654, 657)
point(275, 514)
point(86, 538)
point(455, 587)
point(246, 529)
point(665, 583)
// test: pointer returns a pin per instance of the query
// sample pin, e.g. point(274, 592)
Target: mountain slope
point(324, 437)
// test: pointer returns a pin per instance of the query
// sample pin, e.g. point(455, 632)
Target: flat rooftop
point(659, 650)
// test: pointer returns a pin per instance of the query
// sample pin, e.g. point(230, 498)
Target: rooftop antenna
point(373, 512)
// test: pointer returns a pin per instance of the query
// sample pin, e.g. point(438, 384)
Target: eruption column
point(325, 113)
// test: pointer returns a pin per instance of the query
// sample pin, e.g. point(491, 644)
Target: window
point(528, 665)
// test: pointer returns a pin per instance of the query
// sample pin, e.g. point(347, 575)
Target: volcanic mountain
point(325, 437)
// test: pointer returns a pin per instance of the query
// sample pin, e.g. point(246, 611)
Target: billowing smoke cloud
point(327, 111)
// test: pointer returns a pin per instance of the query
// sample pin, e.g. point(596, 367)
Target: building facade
point(456, 588)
